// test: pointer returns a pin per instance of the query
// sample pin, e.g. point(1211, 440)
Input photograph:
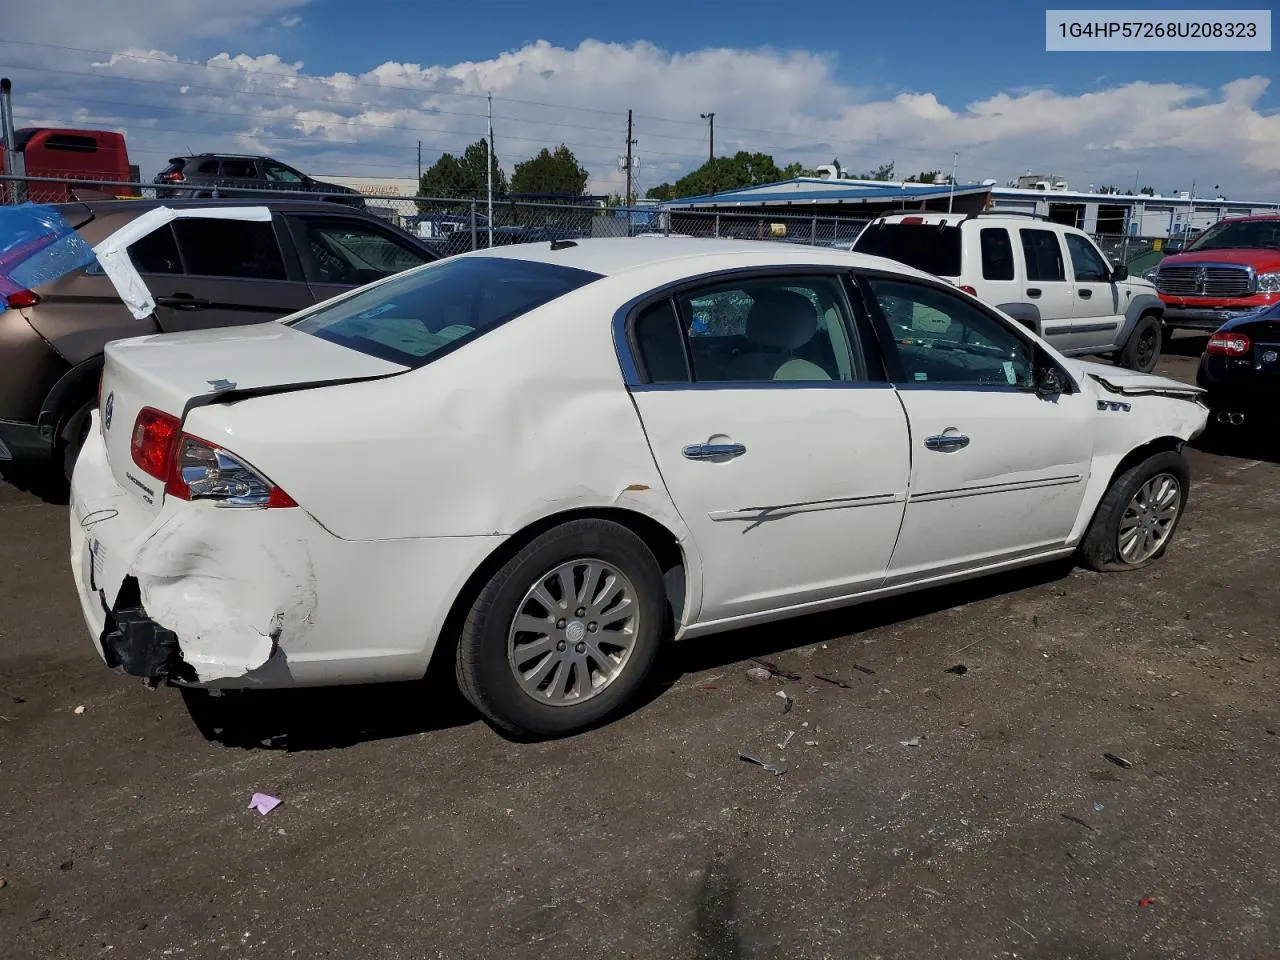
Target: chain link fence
point(453, 225)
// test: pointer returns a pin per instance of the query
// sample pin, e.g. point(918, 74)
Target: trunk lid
point(174, 372)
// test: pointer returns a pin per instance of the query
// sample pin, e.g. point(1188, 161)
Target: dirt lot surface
point(923, 813)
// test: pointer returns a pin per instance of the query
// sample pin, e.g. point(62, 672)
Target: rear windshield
point(925, 246)
point(175, 166)
point(423, 313)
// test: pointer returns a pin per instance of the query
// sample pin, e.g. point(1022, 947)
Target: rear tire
point(1122, 515)
point(72, 436)
point(539, 661)
point(1141, 351)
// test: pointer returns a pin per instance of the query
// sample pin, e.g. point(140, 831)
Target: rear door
point(238, 177)
point(1047, 285)
point(340, 252)
point(782, 446)
point(1097, 314)
point(217, 273)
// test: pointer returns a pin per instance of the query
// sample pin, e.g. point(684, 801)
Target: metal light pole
point(630, 144)
point(489, 170)
point(711, 148)
point(15, 162)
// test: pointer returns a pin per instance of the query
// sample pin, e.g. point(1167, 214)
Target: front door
point(996, 470)
point(1097, 315)
point(786, 459)
point(1047, 285)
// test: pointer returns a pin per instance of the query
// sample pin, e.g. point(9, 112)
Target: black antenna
point(563, 244)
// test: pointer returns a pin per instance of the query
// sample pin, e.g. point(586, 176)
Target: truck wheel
point(1141, 351)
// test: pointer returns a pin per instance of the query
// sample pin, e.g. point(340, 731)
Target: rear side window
point(246, 250)
point(414, 317)
point(1043, 254)
point(209, 167)
point(660, 343)
point(926, 246)
point(239, 168)
point(157, 252)
point(997, 254)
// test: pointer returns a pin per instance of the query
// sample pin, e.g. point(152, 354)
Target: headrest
point(781, 318)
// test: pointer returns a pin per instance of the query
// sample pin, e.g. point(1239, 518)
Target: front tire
point(1141, 351)
point(565, 632)
point(1138, 516)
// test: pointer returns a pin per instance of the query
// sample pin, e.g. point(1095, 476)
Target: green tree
point(925, 176)
point(725, 173)
point(548, 172)
point(882, 172)
point(1108, 188)
point(793, 170)
point(663, 191)
point(460, 178)
point(1148, 191)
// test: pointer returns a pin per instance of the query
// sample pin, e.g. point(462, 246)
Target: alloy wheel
point(1148, 520)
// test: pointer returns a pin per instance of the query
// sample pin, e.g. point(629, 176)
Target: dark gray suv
point(242, 176)
point(201, 272)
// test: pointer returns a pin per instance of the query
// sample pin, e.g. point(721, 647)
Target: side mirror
point(1049, 382)
point(1120, 272)
point(1173, 246)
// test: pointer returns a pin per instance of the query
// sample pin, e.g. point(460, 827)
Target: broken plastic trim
point(1180, 393)
point(138, 645)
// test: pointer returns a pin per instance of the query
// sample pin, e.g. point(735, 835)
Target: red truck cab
point(98, 156)
point(1230, 269)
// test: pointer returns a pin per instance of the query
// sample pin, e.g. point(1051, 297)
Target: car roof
point(609, 256)
point(106, 207)
point(223, 156)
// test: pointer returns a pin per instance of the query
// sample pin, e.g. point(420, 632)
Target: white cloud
point(290, 20)
point(790, 104)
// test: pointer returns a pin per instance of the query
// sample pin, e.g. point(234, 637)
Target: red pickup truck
point(1230, 269)
point(91, 155)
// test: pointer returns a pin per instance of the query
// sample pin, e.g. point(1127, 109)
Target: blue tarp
point(37, 246)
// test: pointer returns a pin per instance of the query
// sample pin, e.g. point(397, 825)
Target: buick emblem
point(107, 410)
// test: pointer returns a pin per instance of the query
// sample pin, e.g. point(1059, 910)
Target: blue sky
point(345, 88)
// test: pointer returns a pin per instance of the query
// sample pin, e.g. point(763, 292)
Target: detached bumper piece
point(142, 648)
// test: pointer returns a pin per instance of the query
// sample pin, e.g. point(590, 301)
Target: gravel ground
point(924, 812)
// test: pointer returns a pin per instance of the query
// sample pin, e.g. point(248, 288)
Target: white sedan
point(542, 461)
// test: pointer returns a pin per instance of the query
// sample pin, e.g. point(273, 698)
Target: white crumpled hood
point(1130, 382)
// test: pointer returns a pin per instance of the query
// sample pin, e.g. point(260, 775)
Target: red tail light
point(971, 291)
point(912, 220)
point(173, 176)
point(1228, 344)
point(155, 434)
point(22, 298)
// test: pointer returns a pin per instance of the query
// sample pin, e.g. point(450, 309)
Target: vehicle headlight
point(1150, 275)
point(1269, 283)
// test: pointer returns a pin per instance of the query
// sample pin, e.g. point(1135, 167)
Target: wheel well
point(666, 549)
point(1138, 454)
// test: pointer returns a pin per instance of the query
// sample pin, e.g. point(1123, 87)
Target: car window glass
point(997, 253)
point(1087, 262)
point(776, 329)
point(230, 248)
point(1043, 254)
point(353, 253)
point(660, 344)
point(943, 339)
point(238, 168)
point(278, 173)
point(414, 316)
point(157, 252)
point(209, 167)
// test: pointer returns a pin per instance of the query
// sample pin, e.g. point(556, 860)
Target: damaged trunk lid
point(173, 373)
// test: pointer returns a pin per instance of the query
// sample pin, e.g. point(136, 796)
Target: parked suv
point(1048, 276)
point(200, 271)
point(1231, 269)
point(233, 175)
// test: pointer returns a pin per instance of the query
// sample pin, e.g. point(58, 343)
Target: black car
point(1241, 370)
point(238, 176)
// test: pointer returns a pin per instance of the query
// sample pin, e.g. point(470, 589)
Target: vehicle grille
point(1204, 281)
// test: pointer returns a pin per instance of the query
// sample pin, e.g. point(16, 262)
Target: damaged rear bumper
point(217, 597)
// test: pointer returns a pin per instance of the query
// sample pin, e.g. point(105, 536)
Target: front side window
point(941, 339)
point(1086, 261)
point(769, 329)
point(245, 249)
point(279, 173)
point(1043, 254)
point(353, 253)
point(414, 317)
point(997, 254)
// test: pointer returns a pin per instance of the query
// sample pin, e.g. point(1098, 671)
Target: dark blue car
point(1240, 368)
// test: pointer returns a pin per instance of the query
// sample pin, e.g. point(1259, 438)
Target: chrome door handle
point(946, 442)
point(710, 451)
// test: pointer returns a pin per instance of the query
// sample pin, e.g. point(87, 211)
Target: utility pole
point(630, 144)
point(711, 149)
point(955, 158)
point(489, 170)
point(419, 161)
point(15, 162)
